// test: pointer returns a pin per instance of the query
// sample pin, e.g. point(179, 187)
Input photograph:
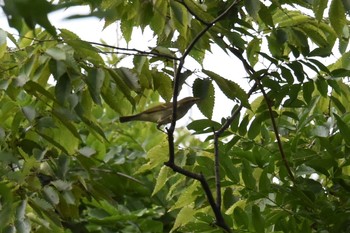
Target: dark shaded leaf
point(204, 89)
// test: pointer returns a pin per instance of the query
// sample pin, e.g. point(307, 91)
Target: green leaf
point(160, 16)
point(63, 88)
point(308, 89)
point(161, 179)
point(56, 53)
point(51, 194)
point(184, 216)
point(243, 126)
point(204, 126)
point(264, 182)
point(3, 42)
point(252, 7)
point(254, 128)
point(130, 78)
point(87, 151)
point(163, 84)
point(241, 217)
point(7, 208)
point(265, 15)
point(315, 34)
point(257, 219)
point(33, 12)
point(252, 51)
point(179, 12)
point(231, 89)
point(127, 27)
point(344, 129)
point(318, 8)
point(29, 113)
point(298, 70)
point(337, 17)
point(198, 10)
point(322, 87)
point(156, 156)
point(247, 175)
point(204, 89)
point(186, 197)
point(94, 81)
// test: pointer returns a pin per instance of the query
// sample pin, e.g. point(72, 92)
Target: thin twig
point(275, 129)
point(250, 70)
point(137, 51)
point(192, 13)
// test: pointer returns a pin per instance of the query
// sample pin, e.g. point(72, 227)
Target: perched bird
point(162, 114)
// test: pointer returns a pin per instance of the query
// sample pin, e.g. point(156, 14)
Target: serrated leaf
point(337, 17)
point(95, 82)
point(62, 185)
point(130, 78)
point(161, 179)
point(160, 16)
point(56, 53)
point(318, 8)
point(265, 15)
point(186, 197)
point(43, 204)
point(163, 84)
point(127, 27)
point(184, 216)
point(52, 194)
point(315, 34)
point(200, 126)
point(204, 89)
point(252, 51)
point(156, 156)
point(180, 19)
point(231, 89)
point(252, 7)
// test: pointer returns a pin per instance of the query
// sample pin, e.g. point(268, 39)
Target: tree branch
point(135, 51)
point(177, 71)
point(250, 70)
point(275, 129)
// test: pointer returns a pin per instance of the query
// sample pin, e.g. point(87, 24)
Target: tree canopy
point(280, 162)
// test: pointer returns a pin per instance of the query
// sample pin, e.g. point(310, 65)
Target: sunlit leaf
point(161, 180)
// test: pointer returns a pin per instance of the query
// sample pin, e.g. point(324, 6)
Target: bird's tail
point(127, 118)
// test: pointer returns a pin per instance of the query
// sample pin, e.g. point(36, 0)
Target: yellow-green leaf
point(161, 179)
point(337, 17)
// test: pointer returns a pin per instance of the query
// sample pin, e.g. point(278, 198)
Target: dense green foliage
point(279, 163)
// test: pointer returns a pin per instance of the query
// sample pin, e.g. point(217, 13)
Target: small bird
point(162, 114)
